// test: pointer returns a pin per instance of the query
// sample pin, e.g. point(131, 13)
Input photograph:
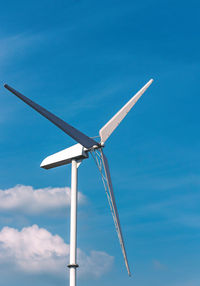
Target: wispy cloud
point(177, 182)
point(174, 203)
point(189, 220)
point(35, 250)
point(15, 46)
point(182, 209)
point(161, 183)
point(27, 200)
point(158, 265)
point(98, 96)
point(188, 282)
point(14, 49)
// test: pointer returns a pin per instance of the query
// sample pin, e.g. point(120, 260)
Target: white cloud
point(35, 250)
point(27, 200)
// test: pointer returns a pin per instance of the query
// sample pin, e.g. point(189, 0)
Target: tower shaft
point(73, 225)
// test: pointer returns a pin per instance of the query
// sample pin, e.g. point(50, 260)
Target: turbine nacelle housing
point(64, 157)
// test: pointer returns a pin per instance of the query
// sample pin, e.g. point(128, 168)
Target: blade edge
point(61, 124)
point(116, 219)
point(112, 124)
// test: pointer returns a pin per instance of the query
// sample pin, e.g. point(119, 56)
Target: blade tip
point(151, 80)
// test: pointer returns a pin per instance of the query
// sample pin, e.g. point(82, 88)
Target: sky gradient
point(83, 60)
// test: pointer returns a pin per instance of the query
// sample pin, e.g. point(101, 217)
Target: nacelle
point(64, 157)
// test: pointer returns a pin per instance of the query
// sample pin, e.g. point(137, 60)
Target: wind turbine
point(74, 156)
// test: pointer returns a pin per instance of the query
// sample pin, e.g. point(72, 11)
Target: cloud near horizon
point(28, 200)
point(35, 250)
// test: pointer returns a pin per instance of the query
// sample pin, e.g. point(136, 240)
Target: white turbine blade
point(112, 124)
point(111, 199)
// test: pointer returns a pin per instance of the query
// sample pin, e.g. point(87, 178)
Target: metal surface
point(73, 225)
point(112, 124)
point(102, 164)
point(68, 129)
point(64, 157)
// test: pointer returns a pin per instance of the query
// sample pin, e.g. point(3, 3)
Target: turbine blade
point(68, 129)
point(112, 124)
point(111, 199)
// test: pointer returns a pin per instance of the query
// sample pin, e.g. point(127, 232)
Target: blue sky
point(83, 60)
